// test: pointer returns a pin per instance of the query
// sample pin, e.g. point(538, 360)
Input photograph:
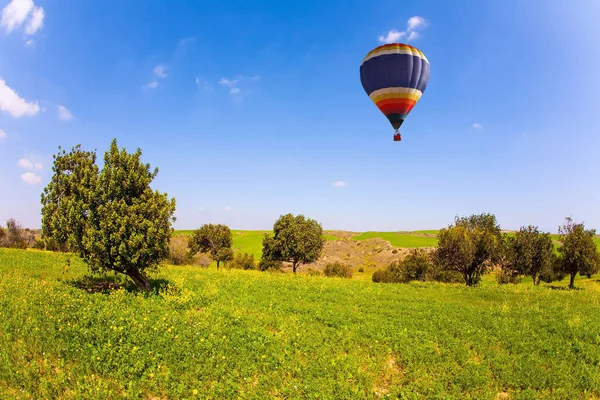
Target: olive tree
point(470, 246)
point(531, 253)
point(215, 239)
point(296, 239)
point(578, 253)
point(110, 217)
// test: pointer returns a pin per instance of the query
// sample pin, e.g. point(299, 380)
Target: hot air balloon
point(395, 76)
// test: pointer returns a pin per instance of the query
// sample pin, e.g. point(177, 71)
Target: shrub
point(16, 236)
point(418, 266)
point(242, 261)
point(337, 269)
point(201, 259)
point(313, 272)
point(395, 251)
point(39, 245)
point(2, 236)
point(270, 265)
point(179, 252)
point(393, 273)
point(446, 276)
point(361, 269)
point(505, 276)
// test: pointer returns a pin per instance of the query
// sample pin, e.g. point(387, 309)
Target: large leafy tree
point(470, 246)
point(215, 239)
point(111, 217)
point(531, 253)
point(578, 253)
point(296, 239)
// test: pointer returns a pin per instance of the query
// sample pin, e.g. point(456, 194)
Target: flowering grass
point(246, 334)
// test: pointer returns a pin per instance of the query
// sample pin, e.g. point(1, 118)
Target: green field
point(247, 334)
point(400, 239)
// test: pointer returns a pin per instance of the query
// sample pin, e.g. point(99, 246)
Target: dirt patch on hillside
point(370, 253)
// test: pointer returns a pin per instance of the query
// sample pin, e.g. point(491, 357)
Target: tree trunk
point(139, 279)
point(218, 264)
point(295, 265)
point(572, 282)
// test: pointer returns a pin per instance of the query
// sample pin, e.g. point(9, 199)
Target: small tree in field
point(578, 253)
point(470, 246)
point(531, 253)
point(213, 239)
point(112, 217)
point(296, 239)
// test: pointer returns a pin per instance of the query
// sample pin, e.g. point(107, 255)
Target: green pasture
point(400, 239)
point(211, 333)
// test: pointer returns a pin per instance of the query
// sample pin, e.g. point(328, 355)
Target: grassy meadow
point(211, 333)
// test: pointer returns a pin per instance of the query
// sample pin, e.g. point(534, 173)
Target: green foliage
point(290, 337)
point(578, 253)
point(418, 265)
point(270, 265)
point(215, 239)
point(393, 273)
point(529, 252)
point(471, 246)
point(505, 276)
point(295, 239)
point(313, 272)
point(338, 270)
point(361, 269)
point(243, 261)
point(111, 218)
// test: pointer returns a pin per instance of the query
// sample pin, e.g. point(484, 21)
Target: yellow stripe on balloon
point(395, 49)
point(395, 93)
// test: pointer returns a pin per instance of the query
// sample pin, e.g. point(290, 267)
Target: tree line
point(114, 220)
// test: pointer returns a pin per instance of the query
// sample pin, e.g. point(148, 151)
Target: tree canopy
point(296, 239)
point(470, 246)
point(111, 217)
point(531, 253)
point(215, 239)
point(578, 253)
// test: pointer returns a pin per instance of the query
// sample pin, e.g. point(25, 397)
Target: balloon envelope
point(395, 76)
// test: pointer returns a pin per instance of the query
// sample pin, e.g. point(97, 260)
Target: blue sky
point(255, 109)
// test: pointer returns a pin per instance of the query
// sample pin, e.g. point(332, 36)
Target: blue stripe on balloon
point(394, 70)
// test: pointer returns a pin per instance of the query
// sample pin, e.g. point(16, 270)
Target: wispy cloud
point(31, 178)
point(64, 114)
point(202, 84)
point(233, 84)
point(227, 208)
point(340, 184)
point(200, 208)
point(159, 72)
point(19, 12)
point(413, 25)
point(2, 135)
point(13, 104)
point(477, 125)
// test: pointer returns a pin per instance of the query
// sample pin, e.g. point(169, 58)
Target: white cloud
point(31, 178)
point(63, 113)
point(340, 184)
point(25, 163)
point(412, 26)
point(227, 208)
point(159, 71)
point(477, 125)
point(200, 208)
point(228, 82)
point(30, 42)
point(15, 105)
point(17, 12)
point(235, 90)
point(36, 21)
point(2, 135)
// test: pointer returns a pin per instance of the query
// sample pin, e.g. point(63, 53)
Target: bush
point(2, 236)
point(39, 245)
point(313, 272)
point(448, 276)
point(361, 269)
point(505, 276)
point(179, 252)
point(201, 259)
point(16, 236)
point(338, 270)
point(418, 266)
point(270, 265)
point(393, 273)
point(52, 245)
point(242, 261)
point(395, 251)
